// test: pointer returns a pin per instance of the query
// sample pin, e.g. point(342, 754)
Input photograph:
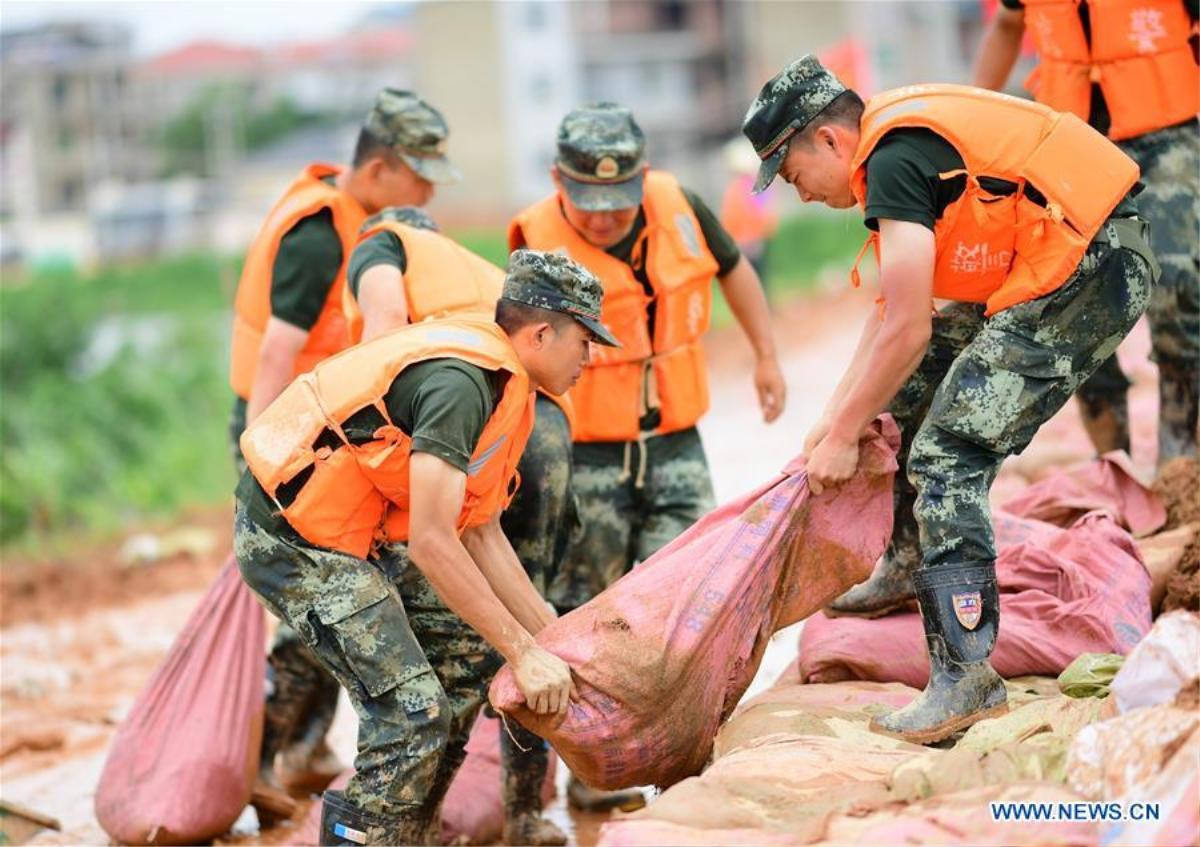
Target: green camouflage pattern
point(985, 387)
point(415, 131)
point(630, 510)
point(413, 216)
point(555, 282)
point(415, 672)
point(1170, 163)
point(539, 523)
point(784, 106)
point(601, 157)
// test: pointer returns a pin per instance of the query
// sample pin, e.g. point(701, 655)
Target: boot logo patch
point(356, 836)
point(967, 608)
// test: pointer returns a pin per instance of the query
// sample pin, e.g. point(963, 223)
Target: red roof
point(205, 57)
point(365, 44)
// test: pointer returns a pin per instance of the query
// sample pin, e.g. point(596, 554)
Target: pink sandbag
point(1108, 484)
point(1062, 592)
point(664, 655)
point(473, 812)
point(182, 765)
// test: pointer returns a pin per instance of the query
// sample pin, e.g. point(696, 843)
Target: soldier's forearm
point(500, 566)
point(998, 50)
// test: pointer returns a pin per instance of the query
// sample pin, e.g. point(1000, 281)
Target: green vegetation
point(115, 394)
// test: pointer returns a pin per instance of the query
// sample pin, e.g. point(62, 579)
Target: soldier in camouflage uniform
point(1169, 158)
point(397, 159)
point(414, 669)
point(537, 522)
point(975, 392)
point(637, 490)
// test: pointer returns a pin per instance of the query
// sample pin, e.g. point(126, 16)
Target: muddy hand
point(832, 462)
point(545, 681)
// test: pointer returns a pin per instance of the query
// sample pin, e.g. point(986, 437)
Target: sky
point(161, 26)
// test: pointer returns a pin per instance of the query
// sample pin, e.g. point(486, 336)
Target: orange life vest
point(357, 495)
point(306, 196)
point(441, 279)
point(1138, 53)
point(995, 249)
point(666, 372)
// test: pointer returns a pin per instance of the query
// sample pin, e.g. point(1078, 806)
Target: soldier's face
point(600, 229)
point(560, 355)
point(819, 168)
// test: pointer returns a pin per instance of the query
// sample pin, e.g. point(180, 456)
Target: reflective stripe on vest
point(356, 496)
point(664, 372)
point(306, 196)
point(1138, 53)
point(996, 249)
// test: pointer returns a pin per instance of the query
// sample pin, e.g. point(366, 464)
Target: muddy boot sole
point(590, 800)
point(271, 804)
point(533, 831)
point(909, 605)
point(941, 731)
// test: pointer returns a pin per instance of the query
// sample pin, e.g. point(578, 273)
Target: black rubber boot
point(343, 823)
point(1106, 420)
point(524, 760)
point(1178, 405)
point(960, 607)
point(586, 799)
point(307, 765)
point(889, 588)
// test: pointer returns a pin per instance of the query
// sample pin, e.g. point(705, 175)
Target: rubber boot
point(307, 765)
point(525, 760)
point(960, 608)
point(1178, 405)
point(343, 823)
point(586, 799)
point(1106, 420)
point(889, 588)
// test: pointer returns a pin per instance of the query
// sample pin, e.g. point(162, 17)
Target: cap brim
point(435, 169)
point(769, 168)
point(603, 196)
point(599, 331)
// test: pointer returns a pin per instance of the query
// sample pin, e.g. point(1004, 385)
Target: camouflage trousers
point(539, 524)
point(1170, 163)
point(415, 672)
point(985, 387)
point(301, 695)
point(634, 498)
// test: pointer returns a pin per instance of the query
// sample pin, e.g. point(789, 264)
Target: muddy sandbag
point(1175, 792)
point(1178, 485)
point(836, 711)
point(183, 762)
point(664, 655)
point(1108, 484)
point(1062, 592)
point(1183, 583)
point(1172, 557)
point(1161, 665)
point(1090, 675)
point(1111, 758)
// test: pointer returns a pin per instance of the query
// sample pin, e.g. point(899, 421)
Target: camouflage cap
point(410, 215)
point(601, 157)
point(552, 281)
point(786, 104)
point(415, 131)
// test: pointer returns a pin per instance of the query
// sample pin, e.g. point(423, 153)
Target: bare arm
point(999, 48)
point(743, 291)
point(437, 490)
point(899, 344)
point(281, 344)
point(496, 559)
point(381, 300)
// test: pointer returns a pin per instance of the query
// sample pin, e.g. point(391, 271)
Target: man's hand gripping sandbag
point(662, 657)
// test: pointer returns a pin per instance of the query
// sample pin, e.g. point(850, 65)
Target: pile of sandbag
point(1071, 581)
point(662, 657)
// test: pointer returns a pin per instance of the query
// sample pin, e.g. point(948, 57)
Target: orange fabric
point(441, 279)
point(665, 371)
point(747, 218)
point(252, 306)
point(1139, 55)
point(357, 495)
point(1005, 250)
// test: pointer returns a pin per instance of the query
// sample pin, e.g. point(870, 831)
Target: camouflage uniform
point(415, 672)
point(983, 389)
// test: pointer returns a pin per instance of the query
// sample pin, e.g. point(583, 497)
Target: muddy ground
point(80, 634)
